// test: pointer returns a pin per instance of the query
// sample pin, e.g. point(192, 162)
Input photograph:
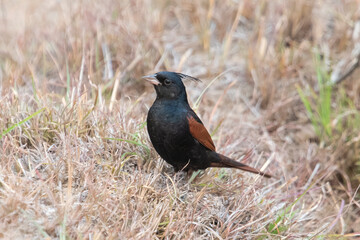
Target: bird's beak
point(152, 79)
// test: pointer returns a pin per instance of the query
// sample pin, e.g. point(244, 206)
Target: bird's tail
point(229, 163)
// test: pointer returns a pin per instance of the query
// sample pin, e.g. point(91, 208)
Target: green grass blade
point(6, 131)
point(309, 109)
point(325, 93)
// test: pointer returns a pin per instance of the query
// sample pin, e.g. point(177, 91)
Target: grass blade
point(6, 131)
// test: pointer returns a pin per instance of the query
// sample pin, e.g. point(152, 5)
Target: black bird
point(177, 133)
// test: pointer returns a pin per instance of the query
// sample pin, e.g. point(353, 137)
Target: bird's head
point(169, 85)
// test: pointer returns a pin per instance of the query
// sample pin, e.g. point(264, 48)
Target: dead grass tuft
point(76, 161)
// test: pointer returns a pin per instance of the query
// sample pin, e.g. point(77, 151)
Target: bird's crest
point(184, 77)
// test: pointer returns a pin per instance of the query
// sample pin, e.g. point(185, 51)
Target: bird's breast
point(167, 125)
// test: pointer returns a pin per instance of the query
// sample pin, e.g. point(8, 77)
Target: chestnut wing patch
point(199, 132)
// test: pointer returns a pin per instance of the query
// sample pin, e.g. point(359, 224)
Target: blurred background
point(277, 76)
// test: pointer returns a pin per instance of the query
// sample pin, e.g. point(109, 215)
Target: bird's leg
point(189, 172)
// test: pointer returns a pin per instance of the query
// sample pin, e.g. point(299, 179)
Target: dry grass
point(83, 166)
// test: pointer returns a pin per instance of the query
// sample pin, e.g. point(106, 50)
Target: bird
point(177, 133)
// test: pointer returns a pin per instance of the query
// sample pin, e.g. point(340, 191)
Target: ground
point(75, 158)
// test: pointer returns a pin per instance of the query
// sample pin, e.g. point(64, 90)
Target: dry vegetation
point(75, 158)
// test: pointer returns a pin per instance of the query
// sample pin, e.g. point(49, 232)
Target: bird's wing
point(199, 132)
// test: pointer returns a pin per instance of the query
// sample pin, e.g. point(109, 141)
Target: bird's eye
point(167, 82)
